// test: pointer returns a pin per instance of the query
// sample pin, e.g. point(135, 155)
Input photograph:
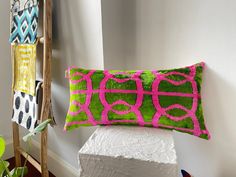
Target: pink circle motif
point(109, 107)
point(163, 111)
point(84, 107)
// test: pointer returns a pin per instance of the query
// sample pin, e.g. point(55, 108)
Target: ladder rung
point(41, 40)
point(30, 159)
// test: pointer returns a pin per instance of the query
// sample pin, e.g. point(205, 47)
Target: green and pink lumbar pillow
point(167, 99)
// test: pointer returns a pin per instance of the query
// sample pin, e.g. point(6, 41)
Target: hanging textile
point(20, 5)
point(24, 26)
point(24, 68)
point(26, 108)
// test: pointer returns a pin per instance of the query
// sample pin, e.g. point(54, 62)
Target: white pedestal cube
point(122, 151)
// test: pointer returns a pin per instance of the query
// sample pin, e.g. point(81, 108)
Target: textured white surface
point(117, 151)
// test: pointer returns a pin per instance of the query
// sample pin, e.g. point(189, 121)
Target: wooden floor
point(32, 171)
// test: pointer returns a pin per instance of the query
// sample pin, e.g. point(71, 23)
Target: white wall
point(159, 34)
point(5, 71)
point(77, 35)
point(143, 34)
point(113, 38)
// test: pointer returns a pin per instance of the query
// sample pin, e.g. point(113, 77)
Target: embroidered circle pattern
point(162, 99)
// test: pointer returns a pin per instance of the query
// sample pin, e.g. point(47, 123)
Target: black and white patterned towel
point(26, 108)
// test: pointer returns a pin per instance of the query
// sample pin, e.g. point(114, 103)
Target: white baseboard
point(56, 165)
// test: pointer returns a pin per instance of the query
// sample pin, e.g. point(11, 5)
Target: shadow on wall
point(119, 37)
point(213, 155)
point(69, 49)
point(217, 93)
point(220, 112)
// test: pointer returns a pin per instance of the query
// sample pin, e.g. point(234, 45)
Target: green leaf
point(2, 146)
point(3, 166)
point(19, 171)
point(41, 127)
point(26, 137)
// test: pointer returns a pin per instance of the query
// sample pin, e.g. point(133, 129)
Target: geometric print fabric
point(20, 5)
point(169, 99)
point(24, 26)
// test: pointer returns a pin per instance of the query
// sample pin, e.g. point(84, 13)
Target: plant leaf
point(26, 137)
point(3, 165)
point(17, 172)
point(41, 127)
point(2, 146)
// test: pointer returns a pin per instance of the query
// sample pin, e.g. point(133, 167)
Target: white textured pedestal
point(120, 151)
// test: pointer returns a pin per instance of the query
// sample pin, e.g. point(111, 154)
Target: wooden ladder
point(46, 41)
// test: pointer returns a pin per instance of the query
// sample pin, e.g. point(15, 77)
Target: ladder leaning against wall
point(46, 41)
